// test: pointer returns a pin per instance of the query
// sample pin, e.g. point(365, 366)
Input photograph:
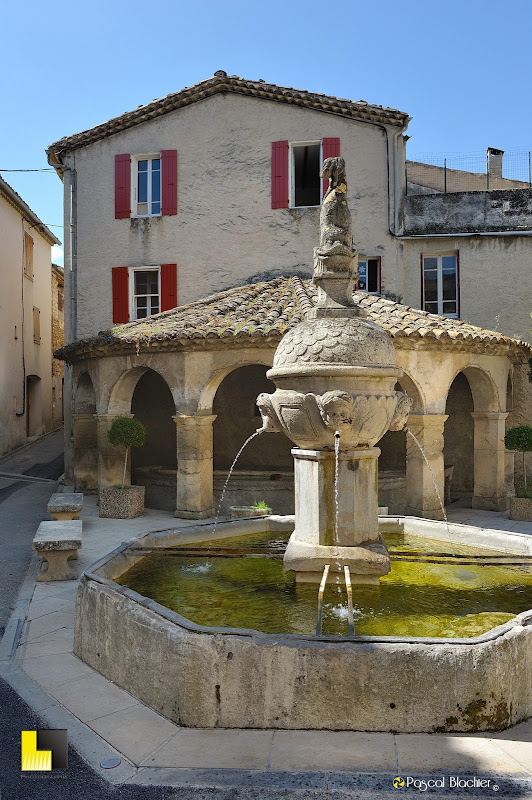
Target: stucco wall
point(225, 230)
point(16, 329)
point(495, 279)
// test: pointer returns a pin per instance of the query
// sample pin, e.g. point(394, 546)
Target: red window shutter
point(123, 186)
point(280, 174)
point(120, 294)
point(169, 182)
point(168, 286)
point(330, 148)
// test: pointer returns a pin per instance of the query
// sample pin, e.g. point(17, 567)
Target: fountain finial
point(335, 260)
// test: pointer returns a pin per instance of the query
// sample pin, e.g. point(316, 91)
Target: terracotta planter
point(240, 512)
point(118, 503)
point(521, 508)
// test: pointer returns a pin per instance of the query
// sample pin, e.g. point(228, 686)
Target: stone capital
point(194, 420)
point(490, 415)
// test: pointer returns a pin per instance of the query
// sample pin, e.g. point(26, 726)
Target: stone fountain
point(335, 373)
point(335, 376)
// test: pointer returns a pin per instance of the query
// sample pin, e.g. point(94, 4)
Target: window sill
point(146, 216)
point(298, 208)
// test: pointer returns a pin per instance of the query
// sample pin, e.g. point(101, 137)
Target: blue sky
point(460, 69)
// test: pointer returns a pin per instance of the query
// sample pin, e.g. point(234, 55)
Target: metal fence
point(427, 173)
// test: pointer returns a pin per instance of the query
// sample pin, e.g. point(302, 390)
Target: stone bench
point(65, 506)
point(57, 542)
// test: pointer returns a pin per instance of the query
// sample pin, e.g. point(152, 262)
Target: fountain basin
point(203, 676)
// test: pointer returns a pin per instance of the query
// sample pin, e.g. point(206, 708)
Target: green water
point(252, 590)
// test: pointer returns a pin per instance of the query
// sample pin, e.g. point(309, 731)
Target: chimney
point(495, 162)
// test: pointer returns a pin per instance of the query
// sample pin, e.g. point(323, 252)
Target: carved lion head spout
point(336, 408)
point(270, 420)
point(402, 410)
point(334, 168)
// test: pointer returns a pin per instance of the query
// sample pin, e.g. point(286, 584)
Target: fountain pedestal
point(335, 375)
point(356, 542)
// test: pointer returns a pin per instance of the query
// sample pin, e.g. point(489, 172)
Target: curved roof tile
point(359, 110)
point(259, 314)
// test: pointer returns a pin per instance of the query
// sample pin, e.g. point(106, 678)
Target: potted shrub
point(520, 438)
point(124, 502)
point(260, 509)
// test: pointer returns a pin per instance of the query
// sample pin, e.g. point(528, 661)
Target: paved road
point(22, 507)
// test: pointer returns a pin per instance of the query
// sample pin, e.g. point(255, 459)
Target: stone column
point(490, 461)
point(194, 466)
point(357, 496)
point(85, 452)
point(421, 495)
point(110, 458)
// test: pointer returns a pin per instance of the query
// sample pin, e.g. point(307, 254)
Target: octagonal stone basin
point(202, 676)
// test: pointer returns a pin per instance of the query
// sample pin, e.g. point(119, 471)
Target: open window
point(369, 275)
point(305, 183)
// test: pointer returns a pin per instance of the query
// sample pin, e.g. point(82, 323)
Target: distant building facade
point(26, 396)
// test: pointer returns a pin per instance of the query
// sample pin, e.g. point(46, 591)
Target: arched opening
point(265, 469)
point(34, 425)
point(392, 460)
point(154, 465)
point(85, 436)
point(458, 449)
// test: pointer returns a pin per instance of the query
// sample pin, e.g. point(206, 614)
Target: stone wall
point(468, 212)
point(494, 278)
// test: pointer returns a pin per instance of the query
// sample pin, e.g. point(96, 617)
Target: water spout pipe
point(320, 598)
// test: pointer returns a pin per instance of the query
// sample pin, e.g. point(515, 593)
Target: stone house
point(218, 185)
point(26, 390)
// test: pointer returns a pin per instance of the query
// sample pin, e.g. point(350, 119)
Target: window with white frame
point(369, 275)
point(440, 284)
point(145, 292)
point(305, 181)
point(146, 185)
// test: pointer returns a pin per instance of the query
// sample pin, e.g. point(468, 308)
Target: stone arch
point(483, 388)
point(152, 403)
point(458, 448)
point(121, 393)
point(208, 392)
point(474, 436)
point(237, 417)
point(393, 445)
